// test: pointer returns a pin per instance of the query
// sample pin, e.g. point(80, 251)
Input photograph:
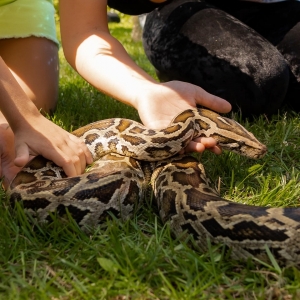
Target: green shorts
point(24, 18)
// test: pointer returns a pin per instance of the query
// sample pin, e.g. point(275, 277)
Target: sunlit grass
point(139, 259)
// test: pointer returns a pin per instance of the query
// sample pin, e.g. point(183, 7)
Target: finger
point(200, 144)
point(82, 160)
point(209, 144)
point(198, 147)
point(212, 102)
point(77, 164)
point(194, 147)
point(64, 161)
point(216, 150)
point(22, 155)
point(85, 153)
point(72, 158)
point(82, 154)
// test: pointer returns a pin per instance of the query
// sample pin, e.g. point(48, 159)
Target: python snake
point(127, 156)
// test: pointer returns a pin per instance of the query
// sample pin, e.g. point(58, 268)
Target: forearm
point(14, 104)
point(103, 62)
point(110, 69)
point(96, 55)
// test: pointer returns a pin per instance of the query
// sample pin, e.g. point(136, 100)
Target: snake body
point(127, 156)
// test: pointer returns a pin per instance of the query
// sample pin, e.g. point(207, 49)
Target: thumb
point(211, 101)
point(22, 155)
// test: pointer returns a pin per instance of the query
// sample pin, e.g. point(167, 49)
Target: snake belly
point(127, 155)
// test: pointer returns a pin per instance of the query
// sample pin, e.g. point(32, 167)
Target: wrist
point(25, 118)
point(145, 92)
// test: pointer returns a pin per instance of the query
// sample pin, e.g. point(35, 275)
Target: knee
point(235, 64)
point(46, 98)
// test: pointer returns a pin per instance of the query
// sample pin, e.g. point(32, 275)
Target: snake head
point(229, 134)
point(247, 148)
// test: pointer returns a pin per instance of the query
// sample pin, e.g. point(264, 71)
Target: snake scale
point(127, 156)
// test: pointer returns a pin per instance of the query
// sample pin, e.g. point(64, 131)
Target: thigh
point(279, 23)
point(290, 49)
point(34, 63)
point(195, 42)
point(271, 20)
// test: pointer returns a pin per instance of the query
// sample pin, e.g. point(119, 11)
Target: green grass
point(139, 259)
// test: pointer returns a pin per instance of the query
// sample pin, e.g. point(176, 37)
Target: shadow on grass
point(80, 104)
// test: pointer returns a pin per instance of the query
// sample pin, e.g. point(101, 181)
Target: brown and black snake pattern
point(127, 156)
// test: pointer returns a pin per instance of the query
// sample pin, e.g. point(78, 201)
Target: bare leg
point(34, 63)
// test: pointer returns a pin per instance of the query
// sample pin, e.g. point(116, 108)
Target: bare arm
point(102, 61)
point(34, 134)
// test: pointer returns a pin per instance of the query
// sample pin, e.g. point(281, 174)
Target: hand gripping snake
point(127, 156)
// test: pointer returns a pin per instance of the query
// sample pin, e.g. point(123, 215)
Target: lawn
point(139, 259)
